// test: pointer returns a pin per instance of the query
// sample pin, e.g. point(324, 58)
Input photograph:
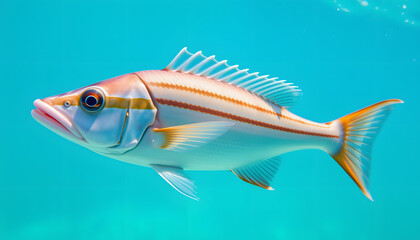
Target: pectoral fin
point(259, 174)
point(186, 137)
point(177, 178)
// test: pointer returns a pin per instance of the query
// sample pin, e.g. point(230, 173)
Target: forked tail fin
point(359, 131)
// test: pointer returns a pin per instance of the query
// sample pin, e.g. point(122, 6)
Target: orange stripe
point(229, 99)
point(238, 118)
point(110, 102)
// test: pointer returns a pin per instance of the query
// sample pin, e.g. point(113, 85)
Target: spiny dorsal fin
point(259, 174)
point(185, 137)
point(278, 91)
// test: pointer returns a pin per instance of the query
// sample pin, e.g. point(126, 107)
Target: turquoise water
point(344, 55)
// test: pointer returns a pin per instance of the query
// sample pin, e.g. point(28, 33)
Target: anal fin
point(259, 174)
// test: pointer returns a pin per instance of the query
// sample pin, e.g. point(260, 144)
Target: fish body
point(202, 114)
point(260, 129)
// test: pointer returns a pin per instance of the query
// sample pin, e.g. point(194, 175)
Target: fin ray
point(277, 91)
point(260, 174)
point(177, 178)
point(190, 136)
point(360, 129)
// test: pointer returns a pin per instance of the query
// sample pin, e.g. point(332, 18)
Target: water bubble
point(398, 10)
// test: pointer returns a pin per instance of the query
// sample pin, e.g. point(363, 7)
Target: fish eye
point(92, 100)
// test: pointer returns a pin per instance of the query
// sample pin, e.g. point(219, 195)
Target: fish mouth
point(52, 119)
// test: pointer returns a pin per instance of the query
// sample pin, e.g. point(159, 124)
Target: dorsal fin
point(277, 91)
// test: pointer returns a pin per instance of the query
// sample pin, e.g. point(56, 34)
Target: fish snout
point(46, 114)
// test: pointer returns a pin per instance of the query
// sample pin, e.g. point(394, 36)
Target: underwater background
point(344, 55)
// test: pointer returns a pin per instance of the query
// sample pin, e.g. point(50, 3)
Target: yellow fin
point(259, 174)
point(186, 137)
point(359, 130)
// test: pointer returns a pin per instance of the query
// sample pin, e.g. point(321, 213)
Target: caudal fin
point(359, 131)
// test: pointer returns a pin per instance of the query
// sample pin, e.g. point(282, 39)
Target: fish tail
point(359, 130)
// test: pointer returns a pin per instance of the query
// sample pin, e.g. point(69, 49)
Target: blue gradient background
point(342, 59)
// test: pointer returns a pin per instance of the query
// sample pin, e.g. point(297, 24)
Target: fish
point(200, 114)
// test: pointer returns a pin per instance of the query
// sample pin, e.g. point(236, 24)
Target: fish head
point(109, 117)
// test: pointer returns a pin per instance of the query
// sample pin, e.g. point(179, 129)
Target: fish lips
point(52, 119)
